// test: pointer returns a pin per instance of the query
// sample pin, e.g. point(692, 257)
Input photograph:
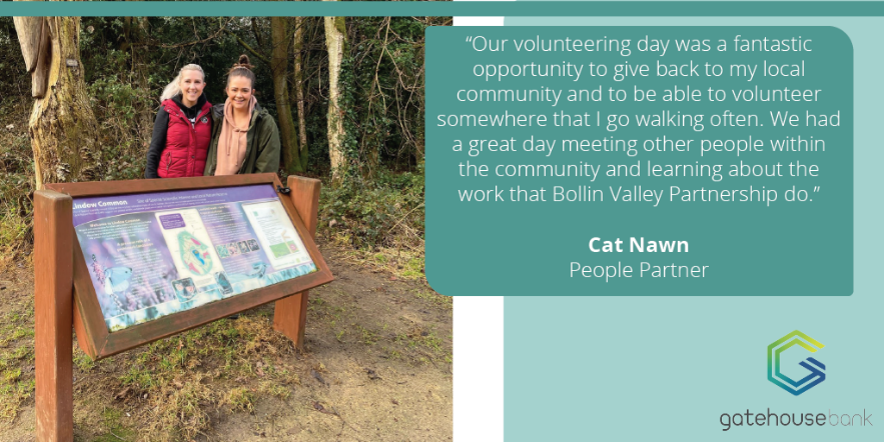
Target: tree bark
point(300, 22)
point(335, 40)
point(63, 130)
point(291, 158)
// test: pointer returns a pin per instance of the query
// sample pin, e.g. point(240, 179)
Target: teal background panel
point(666, 368)
point(733, 248)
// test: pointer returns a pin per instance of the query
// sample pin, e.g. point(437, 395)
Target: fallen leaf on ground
point(320, 408)
point(122, 393)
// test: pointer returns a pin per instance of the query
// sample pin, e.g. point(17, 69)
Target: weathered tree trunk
point(300, 23)
point(62, 127)
point(335, 40)
point(291, 152)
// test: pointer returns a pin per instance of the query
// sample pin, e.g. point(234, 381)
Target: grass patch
point(369, 337)
point(425, 345)
point(82, 361)
point(239, 399)
point(16, 359)
point(185, 377)
point(435, 298)
point(13, 394)
point(17, 324)
point(15, 232)
point(111, 420)
point(278, 391)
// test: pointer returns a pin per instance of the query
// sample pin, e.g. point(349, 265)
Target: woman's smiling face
point(192, 85)
point(239, 91)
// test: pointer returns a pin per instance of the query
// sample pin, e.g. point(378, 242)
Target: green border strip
point(446, 8)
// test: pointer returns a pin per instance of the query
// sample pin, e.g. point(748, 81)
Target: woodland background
point(378, 356)
point(373, 198)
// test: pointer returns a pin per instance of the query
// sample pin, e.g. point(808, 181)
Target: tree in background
point(62, 127)
point(300, 25)
point(355, 88)
point(336, 40)
point(294, 155)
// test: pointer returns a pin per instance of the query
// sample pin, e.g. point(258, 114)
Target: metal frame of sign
point(93, 335)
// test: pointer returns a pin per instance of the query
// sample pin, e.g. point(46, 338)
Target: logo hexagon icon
point(815, 367)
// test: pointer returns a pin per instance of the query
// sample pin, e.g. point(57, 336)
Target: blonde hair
point(174, 88)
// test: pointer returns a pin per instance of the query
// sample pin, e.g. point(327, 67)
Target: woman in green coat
point(245, 138)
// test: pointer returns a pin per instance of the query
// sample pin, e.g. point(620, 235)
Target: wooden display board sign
point(130, 262)
point(158, 257)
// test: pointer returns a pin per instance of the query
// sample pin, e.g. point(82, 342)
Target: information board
point(152, 258)
point(154, 254)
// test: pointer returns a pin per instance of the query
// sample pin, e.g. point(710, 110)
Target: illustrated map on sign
point(151, 255)
point(194, 253)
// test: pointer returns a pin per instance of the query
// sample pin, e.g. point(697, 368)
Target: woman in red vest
point(183, 128)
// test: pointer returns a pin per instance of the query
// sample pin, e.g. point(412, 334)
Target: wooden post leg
point(53, 314)
point(290, 314)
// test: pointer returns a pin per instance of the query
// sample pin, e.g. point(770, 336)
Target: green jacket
point(262, 142)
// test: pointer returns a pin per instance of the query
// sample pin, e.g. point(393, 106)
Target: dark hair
point(242, 69)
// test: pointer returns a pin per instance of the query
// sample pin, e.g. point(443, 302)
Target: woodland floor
point(377, 367)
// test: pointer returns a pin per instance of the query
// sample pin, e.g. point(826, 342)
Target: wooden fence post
point(290, 314)
point(53, 314)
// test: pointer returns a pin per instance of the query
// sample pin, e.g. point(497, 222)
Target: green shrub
point(387, 211)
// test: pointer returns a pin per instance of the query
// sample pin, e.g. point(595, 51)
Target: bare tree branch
point(251, 49)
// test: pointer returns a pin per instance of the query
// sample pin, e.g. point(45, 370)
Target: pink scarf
point(232, 142)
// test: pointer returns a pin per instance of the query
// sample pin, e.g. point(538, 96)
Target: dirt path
point(377, 367)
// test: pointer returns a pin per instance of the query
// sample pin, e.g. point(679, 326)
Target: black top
point(160, 126)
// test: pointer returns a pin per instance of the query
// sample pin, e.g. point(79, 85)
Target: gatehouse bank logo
point(815, 367)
